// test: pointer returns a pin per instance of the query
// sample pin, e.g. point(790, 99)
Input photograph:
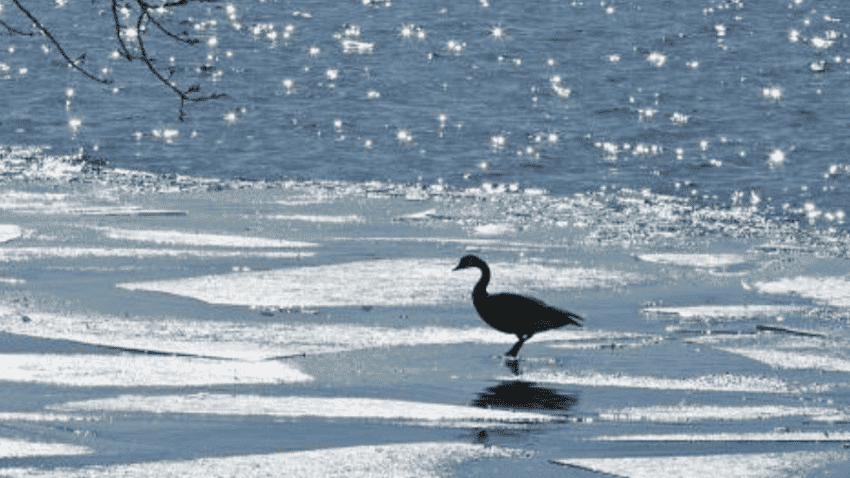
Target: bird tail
point(574, 319)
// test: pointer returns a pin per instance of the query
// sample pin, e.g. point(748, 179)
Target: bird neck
point(480, 289)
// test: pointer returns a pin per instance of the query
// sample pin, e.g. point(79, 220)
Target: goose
point(513, 313)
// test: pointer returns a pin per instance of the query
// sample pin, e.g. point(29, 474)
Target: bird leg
point(512, 364)
point(515, 350)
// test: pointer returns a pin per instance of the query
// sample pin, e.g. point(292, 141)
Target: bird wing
point(538, 315)
point(544, 305)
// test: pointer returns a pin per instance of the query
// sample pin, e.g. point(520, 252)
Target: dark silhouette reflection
point(512, 313)
point(513, 365)
point(524, 395)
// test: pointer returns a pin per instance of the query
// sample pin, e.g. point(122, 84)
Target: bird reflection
point(513, 365)
point(524, 395)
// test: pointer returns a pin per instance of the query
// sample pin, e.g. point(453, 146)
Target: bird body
point(513, 313)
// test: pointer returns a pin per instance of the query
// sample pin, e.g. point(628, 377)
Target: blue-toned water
point(265, 287)
point(726, 102)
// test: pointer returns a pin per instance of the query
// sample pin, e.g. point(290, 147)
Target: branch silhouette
point(15, 30)
point(71, 63)
point(141, 21)
point(121, 43)
point(145, 17)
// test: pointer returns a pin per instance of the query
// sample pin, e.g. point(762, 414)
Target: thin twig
point(141, 22)
point(13, 30)
point(188, 41)
point(118, 31)
point(58, 46)
point(177, 3)
point(144, 54)
point(143, 17)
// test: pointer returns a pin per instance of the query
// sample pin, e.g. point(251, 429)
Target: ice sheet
point(21, 254)
point(12, 280)
point(413, 460)
point(200, 239)
point(772, 436)
point(65, 204)
point(43, 417)
point(303, 406)
point(13, 448)
point(392, 282)
point(727, 311)
point(719, 383)
point(319, 218)
point(751, 465)
point(834, 291)
point(134, 370)
point(791, 360)
point(496, 229)
point(695, 260)
point(691, 413)
point(9, 232)
point(259, 341)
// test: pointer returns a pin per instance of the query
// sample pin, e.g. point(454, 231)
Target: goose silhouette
point(513, 313)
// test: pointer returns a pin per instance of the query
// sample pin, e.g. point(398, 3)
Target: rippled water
point(675, 173)
point(729, 102)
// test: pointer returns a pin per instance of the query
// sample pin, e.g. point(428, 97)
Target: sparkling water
point(716, 101)
point(266, 286)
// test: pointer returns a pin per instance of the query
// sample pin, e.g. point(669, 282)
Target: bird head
point(468, 261)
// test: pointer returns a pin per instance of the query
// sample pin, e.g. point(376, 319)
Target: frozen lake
point(264, 285)
point(159, 326)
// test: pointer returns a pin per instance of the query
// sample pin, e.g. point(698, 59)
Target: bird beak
point(456, 268)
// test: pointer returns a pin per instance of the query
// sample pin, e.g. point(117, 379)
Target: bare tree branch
point(121, 43)
point(13, 30)
point(185, 2)
point(128, 51)
point(71, 62)
point(188, 41)
point(144, 16)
